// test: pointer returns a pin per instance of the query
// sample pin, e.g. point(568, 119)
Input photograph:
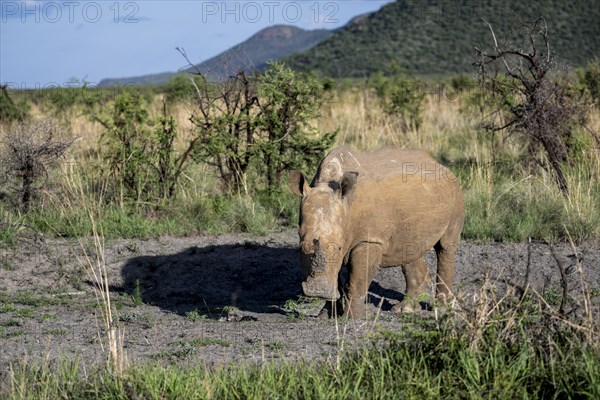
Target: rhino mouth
point(320, 287)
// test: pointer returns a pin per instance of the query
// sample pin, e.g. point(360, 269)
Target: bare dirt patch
point(226, 299)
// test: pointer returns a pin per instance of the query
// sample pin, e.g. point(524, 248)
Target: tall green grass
point(435, 362)
point(195, 211)
point(513, 210)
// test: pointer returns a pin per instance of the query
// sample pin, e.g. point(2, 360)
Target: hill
point(437, 37)
point(271, 43)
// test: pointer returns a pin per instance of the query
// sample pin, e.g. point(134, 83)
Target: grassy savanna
point(502, 342)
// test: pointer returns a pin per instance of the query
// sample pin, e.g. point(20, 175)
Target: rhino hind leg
point(445, 249)
point(365, 260)
point(418, 280)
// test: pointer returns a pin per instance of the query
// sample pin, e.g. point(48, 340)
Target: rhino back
point(376, 165)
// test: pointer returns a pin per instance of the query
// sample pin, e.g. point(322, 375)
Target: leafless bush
point(27, 150)
point(530, 99)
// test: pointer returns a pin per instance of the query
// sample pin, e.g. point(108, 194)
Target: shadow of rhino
point(250, 277)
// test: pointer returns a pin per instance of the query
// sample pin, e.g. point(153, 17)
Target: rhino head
point(323, 231)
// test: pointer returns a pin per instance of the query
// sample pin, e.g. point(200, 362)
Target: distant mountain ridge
point(424, 37)
point(437, 37)
point(268, 44)
point(271, 43)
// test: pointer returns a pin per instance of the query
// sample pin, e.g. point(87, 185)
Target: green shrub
point(589, 78)
point(260, 125)
point(9, 110)
point(462, 83)
point(127, 142)
point(289, 102)
point(401, 96)
point(180, 88)
point(141, 156)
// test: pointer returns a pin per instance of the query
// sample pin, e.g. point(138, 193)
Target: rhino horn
point(319, 261)
point(320, 287)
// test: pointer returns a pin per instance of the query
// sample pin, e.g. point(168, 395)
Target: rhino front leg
point(365, 260)
point(331, 309)
point(417, 279)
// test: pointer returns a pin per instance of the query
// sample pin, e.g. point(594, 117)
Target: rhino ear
point(348, 182)
point(298, 184)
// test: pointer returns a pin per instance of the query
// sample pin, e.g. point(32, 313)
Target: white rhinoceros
point(372, 210)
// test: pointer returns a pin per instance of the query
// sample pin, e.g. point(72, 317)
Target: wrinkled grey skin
point(372, 210)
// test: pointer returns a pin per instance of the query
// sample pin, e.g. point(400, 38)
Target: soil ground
point(226, 299)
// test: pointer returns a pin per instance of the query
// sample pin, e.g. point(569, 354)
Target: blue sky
point(47, 43)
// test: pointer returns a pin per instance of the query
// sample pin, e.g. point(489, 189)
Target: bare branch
point(563, 279)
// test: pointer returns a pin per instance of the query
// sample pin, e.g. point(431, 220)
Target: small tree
point(28, 150)
point(590, 78)
point(529, 100)
point(258, 123)
point(11, 111)
point(127, 140)
point(141, 151)
point(288, 103)
point(168, 163)
point(400, 96)
point(226, 128)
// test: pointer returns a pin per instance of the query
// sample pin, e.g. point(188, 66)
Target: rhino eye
point(308, 248)
point(331, 250)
